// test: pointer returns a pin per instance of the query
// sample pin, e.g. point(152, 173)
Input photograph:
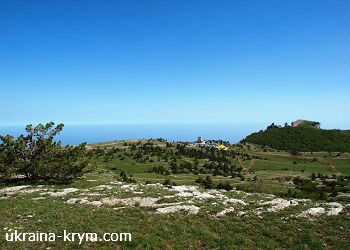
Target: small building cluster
point(202, 143)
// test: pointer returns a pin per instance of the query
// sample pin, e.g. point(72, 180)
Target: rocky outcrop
point(272, 126)
point(306, 123)
point(296, 124)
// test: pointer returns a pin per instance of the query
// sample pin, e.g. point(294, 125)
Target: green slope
point(303, 139)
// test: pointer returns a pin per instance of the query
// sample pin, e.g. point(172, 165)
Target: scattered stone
point(335, 211)
point(103, 187)
point(129, 187)
point(116, 182)
point(236, 201)
point(204, 195)
point(225, 211)
point(13, 189)
point(333, 204)
point(83, 201)
point(63, 192)
point(30, 191)
point(173, 209)
point(168, 196)
point(344, 195)
point(38, 198)
point(96, 203)
point(184, 188)
point(302, 200)
point(315, 211)
point(186, 199)
point(279, 204)
point(118, 208)
point(141, 201)
point(336, 208)
point(91, 194)
point(184, 194)
point(154, 185)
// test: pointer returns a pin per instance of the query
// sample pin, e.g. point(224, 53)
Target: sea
point(76, 134)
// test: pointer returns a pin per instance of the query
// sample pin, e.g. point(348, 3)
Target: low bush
point(37, 156)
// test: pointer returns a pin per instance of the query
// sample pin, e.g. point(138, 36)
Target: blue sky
point(120, 62)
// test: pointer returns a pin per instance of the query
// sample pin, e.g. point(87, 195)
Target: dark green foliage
point(37, 156)
point(167, 182)
point(225, 186)
point(207, 183)
point(108, 156)
point(159, 170)
point(313, 176)
point(303, 139)
point(320, 187)
point(219, 162)
point(199, 180)
point(125, 178)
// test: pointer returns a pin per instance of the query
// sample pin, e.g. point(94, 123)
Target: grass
point(342, 166)
point(174, 231)
point(179, 230)
point(270, 169)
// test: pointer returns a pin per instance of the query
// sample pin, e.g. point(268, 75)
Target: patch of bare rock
point(83, 201)
point(141, 201)
point(63, 192)
point(10, 190)
point(190, 209)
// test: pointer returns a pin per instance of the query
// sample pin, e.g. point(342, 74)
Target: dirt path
point(330, 164)
point(240, 163)
point(250, 165)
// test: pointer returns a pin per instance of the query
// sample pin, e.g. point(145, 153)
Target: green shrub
point(167, 182)
point(37, 156)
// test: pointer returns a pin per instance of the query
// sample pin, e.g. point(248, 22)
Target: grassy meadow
point(262, 174)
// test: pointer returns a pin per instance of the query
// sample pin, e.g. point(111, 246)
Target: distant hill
point(303, 138)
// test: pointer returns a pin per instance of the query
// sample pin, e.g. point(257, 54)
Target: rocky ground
point(185, 199)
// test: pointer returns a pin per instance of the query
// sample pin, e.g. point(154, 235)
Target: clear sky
point(177, 61)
